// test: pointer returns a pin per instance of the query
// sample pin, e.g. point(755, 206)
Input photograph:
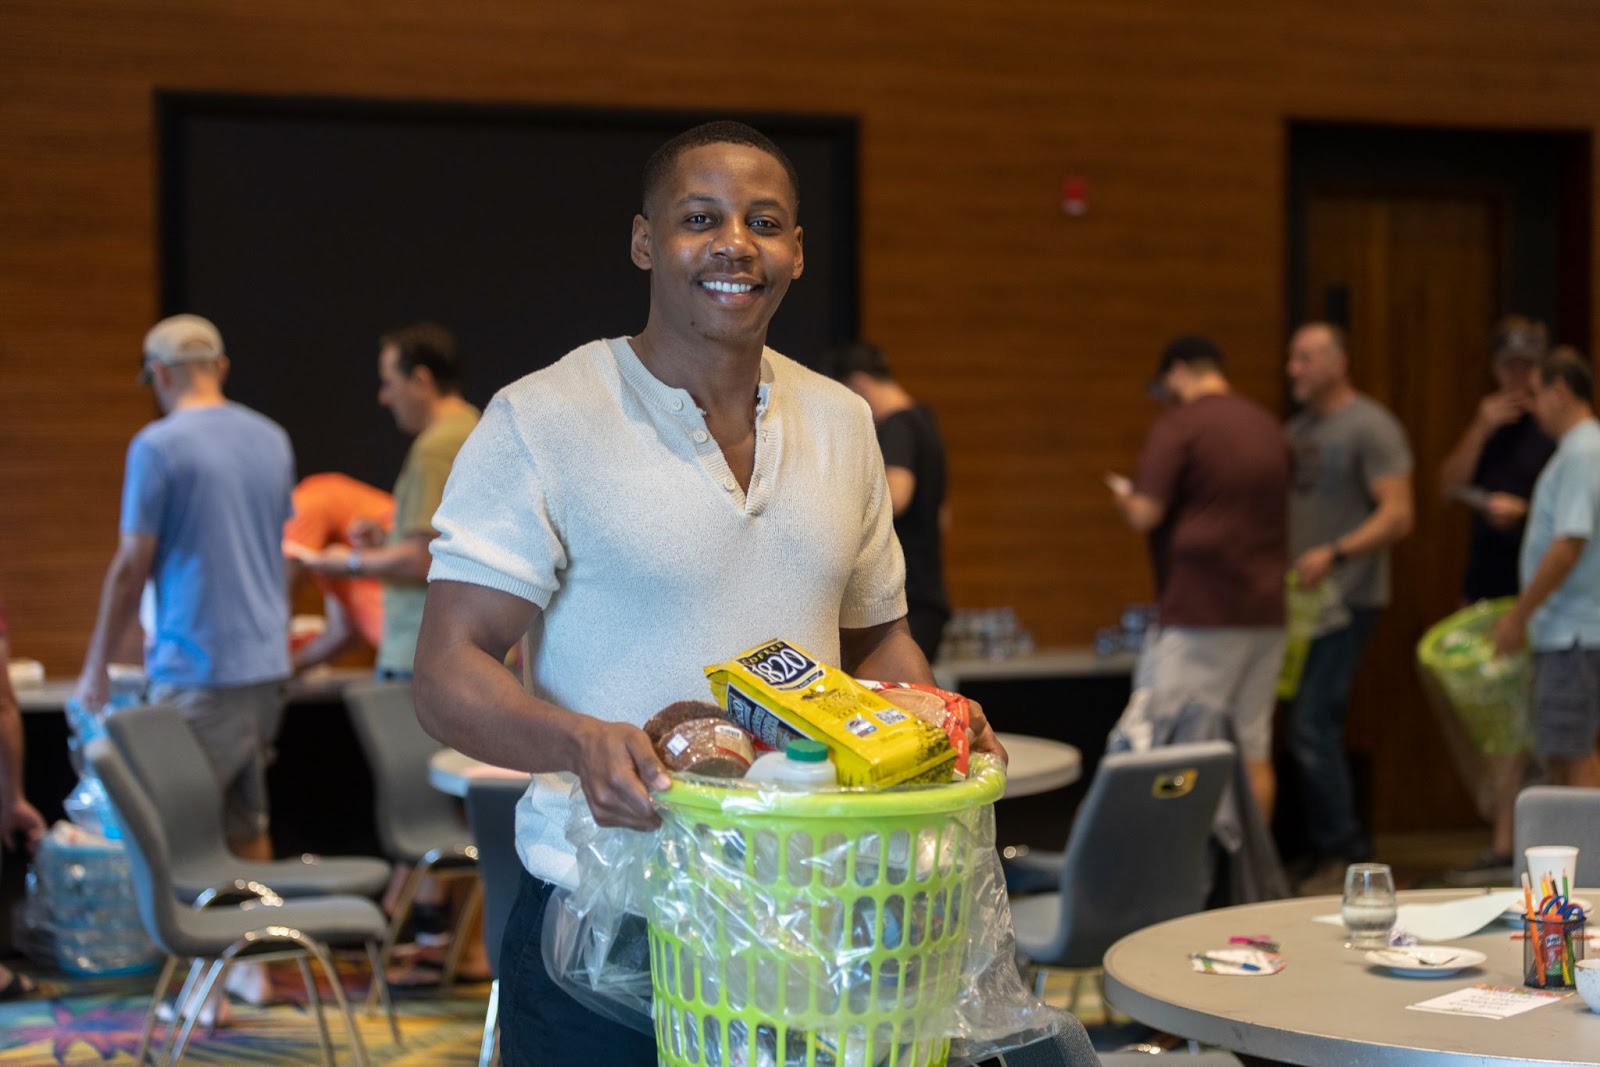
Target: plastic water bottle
point(802, 763)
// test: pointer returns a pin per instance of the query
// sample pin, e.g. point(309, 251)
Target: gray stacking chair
point(215, 937)
point(1560, 815)
point(492, 814)
point(168, 763)
point(416, 824)
point(1136, 854)
point(166, 758)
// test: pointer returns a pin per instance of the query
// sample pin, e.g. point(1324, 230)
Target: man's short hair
point(1518, 337)
point(1336, 333)
point(427, 344)
point(658, 168)
point(1193, 350)
point(1566, 364)
point(857, 357)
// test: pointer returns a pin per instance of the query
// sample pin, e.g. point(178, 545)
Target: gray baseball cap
point(180, 339)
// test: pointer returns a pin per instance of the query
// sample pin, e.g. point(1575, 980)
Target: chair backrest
point(162, 752)
point(146, 842)
point(492, 814)
point(1137, 854)
point(1560, 815)
point(397, 751)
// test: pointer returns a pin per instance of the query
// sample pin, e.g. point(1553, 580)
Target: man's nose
point(735, 240)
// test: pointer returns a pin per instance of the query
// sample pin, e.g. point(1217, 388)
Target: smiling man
point(646, 506)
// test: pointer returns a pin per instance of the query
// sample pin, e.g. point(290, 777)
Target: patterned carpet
point(97, 1021)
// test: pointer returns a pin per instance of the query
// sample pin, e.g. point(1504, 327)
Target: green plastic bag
point(1489, 694)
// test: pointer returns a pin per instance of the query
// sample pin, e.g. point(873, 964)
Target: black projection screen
point(306, 227)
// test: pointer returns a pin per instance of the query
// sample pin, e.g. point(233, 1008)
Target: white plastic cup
point(1556, 861)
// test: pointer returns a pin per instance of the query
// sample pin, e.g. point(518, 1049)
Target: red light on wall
point(1074, 197)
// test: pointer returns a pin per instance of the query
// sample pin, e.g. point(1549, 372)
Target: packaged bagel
point(699, 738)
point(950, 712)
point(780, 692)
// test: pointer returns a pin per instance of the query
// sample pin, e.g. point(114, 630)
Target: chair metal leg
point(180, 1010)
point(380, 982)
point(402, 909)
point(199, 998)
point(326, 959)
point(458, 938)
point(314, 1001)
point(489, 1052)
point(149, 1027)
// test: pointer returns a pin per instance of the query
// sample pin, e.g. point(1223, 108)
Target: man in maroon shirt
point(1212, 494)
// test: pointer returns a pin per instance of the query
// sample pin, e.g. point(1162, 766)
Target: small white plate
point(1425, 961)
point(1513, 916)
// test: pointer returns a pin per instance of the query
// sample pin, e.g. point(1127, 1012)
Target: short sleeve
point(876, 591)
point(1384, 451)
point(897, 439)
point(496, 524)
point(1161, 464)
point(428, 470)
point(1577, 498)
point(144, 489)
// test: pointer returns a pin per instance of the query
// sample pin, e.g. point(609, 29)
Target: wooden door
point(1417, 277)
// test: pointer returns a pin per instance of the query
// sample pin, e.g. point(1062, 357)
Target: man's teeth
point(728, 287)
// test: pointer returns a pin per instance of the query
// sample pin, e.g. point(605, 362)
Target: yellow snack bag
point(780, 692)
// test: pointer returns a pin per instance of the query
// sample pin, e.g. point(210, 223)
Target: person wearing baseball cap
point(1211, 494)
point(1492, 470)
point(206, 491)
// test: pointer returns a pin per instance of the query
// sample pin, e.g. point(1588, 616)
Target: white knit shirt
point(594, 491)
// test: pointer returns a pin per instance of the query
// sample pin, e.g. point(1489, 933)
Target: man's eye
point(699, 218)
point(764, 224)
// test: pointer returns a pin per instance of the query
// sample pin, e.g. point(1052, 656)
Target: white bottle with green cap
point(801, 763)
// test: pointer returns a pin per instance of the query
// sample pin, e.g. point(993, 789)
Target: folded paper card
point(1450, 920)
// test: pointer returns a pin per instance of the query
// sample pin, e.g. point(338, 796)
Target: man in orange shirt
point(335, 509)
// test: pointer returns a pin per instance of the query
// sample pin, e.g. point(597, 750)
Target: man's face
point(1514, 375)
point(721, 243)
point(405, 395)
point(1315, 363)
point(1549, 405)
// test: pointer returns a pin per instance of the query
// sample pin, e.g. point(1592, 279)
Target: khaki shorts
point(1229, 669)
point(237, 727)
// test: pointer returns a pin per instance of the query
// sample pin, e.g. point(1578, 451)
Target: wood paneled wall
point(1030, 332)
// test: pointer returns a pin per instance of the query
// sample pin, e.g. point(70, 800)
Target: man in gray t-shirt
point(1349, 501)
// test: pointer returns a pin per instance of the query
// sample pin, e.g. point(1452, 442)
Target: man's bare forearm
point(885, 653)
point(1554, 567)
point(119, 606)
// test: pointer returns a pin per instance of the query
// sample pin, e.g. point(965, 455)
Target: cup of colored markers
point(1554, 937)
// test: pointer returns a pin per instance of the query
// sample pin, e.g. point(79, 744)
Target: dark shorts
point(1566, 702)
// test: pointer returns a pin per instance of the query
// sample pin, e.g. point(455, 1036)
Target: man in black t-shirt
point(1492, 470)
point(914, 460)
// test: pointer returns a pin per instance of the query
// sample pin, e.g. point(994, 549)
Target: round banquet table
point(1037, 766)
point(1328, 1005)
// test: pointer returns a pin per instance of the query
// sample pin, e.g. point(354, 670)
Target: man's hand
point(333, 560)
point(1510, 634)
point(1313, 566)
point(366, 533)
point(21, 821)
point(1501, 409)
point(618, 768)
point(981, 736)
point(93, 690)
point(1504, 511)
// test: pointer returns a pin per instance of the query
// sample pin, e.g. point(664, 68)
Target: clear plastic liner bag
point(81, 913)
point(87, 805)
point(835, 928)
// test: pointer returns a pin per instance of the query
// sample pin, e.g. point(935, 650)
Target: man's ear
point(639, 243)
point(422, 377)
point(799, 253)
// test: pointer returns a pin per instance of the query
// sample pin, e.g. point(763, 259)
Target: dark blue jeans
point(539, 1023)
point(1316, 739)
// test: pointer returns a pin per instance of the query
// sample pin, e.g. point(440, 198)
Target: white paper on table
point(1448, 921)
point(1489, 1002)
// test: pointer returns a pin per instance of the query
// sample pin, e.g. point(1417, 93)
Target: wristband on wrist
point(1338, 553)
point(352, 564)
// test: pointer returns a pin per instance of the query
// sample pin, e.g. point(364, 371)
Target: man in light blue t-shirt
point(204, 499)
point(1558, 611)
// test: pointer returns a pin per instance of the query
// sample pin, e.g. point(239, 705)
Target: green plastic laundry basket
point(1489, 694)
point(812, 929)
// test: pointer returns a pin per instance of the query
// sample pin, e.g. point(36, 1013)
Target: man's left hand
point(332, 560)
point(22, 820)
point(1510, 634)
point(981, 736)
point(1313, 566)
